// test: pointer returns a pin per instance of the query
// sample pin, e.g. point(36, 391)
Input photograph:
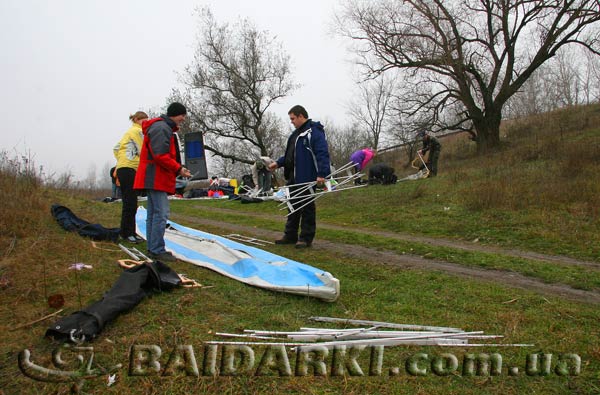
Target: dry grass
point(546, 161)
point(20, 191)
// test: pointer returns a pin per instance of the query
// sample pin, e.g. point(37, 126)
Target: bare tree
point(237, 74)
point(465, 59)
point(89, 182)
point(224, 167)
point(566, 80)
point(342, 141)
point(591, 79)
point(371, 108)
point(104, 180)
point(533, 96)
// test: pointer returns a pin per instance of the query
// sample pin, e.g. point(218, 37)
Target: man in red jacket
point(160, 164)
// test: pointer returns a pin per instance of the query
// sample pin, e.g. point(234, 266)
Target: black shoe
point(303, 244)
point(130, 239)
point(139, 239)
point(163, 257)
point(285, 241)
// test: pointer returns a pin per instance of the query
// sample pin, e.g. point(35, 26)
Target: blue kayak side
point(247, 264)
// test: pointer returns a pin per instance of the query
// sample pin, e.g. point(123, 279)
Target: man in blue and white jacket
point(306, 159)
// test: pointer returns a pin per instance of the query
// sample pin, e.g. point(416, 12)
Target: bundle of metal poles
point(298, 196)
point(369, 333)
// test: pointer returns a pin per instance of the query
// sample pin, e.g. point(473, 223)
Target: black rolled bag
point(132, 286)
point(72, 223)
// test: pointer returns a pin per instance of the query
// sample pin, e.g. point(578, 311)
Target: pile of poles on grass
point(368, 333)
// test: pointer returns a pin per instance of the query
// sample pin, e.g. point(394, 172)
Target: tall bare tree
point(89, 182)
point(567, 80)
point(530, 99)
point(237, 74)
point(371, 108)
point(464, 59)
point(342, 141)
point(591, 78)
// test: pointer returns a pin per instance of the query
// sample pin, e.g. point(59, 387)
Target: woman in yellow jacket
point(127, 151)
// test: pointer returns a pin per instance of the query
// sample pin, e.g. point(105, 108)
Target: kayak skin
point(247, 264)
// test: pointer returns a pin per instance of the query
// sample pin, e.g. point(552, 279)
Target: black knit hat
point(176, 109)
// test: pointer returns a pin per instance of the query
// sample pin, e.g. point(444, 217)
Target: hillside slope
point(507, 244)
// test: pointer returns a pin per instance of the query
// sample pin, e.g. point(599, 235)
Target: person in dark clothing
point(116, 187)
point(306, 160)
point(433, 146)
point(381, 173)
point(261, 175)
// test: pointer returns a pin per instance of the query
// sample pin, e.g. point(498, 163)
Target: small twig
point(78, 288)
point(510, 301)
point(11, 247)
point(36, 321)
point(96, 245)
point(44, 261)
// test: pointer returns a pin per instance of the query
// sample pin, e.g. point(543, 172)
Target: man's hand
point(273, 166)
point(183, 172)
point(320, 181)
point(420, 152)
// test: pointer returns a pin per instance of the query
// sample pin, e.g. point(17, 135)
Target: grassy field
point(539, 194)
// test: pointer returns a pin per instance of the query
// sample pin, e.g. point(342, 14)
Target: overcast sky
point(72, 71)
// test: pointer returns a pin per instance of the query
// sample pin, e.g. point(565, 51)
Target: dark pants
point(264, 180)
point(357, 181)
point(126, 177)
point(432, 163)
point(305, 219)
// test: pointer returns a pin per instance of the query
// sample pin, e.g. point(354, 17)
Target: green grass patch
point(575, 276)
point(191, 316)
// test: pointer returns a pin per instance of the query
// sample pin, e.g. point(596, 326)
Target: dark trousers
point(433, 162)
point(264, 180)
point(126, 177)
point(305, 219)
point(357, 181)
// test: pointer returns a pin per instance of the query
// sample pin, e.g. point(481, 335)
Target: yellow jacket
point(127, 151)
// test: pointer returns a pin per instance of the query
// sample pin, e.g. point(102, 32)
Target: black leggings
point(126, 176)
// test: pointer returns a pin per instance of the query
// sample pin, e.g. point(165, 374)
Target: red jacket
point(159, 160)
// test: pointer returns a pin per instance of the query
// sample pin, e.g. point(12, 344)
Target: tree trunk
point(488, 133)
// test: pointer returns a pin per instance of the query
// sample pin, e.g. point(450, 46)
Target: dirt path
point(412, 261)
point(438, 242)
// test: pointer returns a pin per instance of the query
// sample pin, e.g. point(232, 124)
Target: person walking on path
point(306, 159)
point(127, 152)
point(160, 164)
point(431, 144)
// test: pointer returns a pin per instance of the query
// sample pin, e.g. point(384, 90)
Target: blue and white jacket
point(311, 154)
